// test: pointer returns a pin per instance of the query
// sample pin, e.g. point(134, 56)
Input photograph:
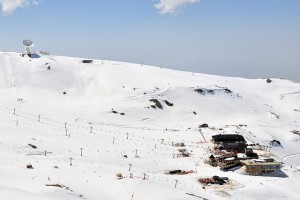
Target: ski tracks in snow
point(290, 93)
point(290, 156)
point(4, 75)
point(7, 72)
point(160, 92)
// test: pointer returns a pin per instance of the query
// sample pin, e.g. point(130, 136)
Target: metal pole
point(202, 135)
point(130, 165)
point(176, 181)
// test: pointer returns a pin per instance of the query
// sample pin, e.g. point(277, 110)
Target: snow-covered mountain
point(127, 115)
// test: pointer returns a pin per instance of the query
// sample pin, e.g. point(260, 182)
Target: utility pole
point(130, 165)
point(71, 161)
point(81, 151)
point(176, 181)
point(202, 134)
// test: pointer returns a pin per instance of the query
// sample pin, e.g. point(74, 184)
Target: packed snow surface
point(80, 124)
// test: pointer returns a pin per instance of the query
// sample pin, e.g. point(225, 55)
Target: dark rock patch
point(113, 111)
point(203, 126)
point(157, 103)
point(277, 116)
point(33, 146)
point(227, 90)
point(210, 91)
point(275, 143)
point(168, 103)
point(29, 166)
point(87, 61)
point(199, 91)
point(296, 132)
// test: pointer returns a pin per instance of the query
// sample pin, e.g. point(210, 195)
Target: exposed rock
point(199, 91)
point(227, 90)
point(210, 91)
point(55, 185)
point(87, 61)
point(113, 111)
point(203, 126)
point(157, 103)
point(275, 143)
point(29, 166)
point(33, 146)
point(296, 132)
point(277, 116)
point(178, 171)
point(180, 144)
point(168, 103)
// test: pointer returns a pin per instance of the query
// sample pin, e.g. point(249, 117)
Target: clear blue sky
point(248, 38)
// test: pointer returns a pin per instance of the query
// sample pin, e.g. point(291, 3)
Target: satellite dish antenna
point(27, 45)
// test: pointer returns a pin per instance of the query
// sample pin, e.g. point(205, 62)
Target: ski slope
point(34, 110)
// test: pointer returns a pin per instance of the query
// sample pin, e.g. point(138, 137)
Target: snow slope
point(34, 110)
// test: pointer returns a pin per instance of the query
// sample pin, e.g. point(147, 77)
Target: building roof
point(228, 138)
